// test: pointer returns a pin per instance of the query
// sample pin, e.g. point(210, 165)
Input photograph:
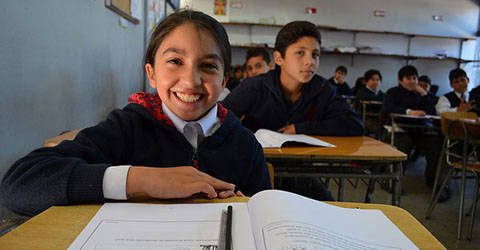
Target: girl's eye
point(210, 66)
point(316, 55)
point(175, 61)
point(300, 53)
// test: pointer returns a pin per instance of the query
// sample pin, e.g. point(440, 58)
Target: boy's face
point(373, 82)
point(256, 66)
point(340, 76)
point(300, 62)
point(188, 72)
point(460, 84)
point(424, 85)
point(409, 82)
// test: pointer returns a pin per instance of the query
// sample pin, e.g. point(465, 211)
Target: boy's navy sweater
point(342, 89)
point(399, 99)
point(318, 111)
point(72, 172)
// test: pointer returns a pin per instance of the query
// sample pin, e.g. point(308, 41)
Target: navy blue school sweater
point(399, 99)
point(342, 89)
point(318, 111)
point(139, 135)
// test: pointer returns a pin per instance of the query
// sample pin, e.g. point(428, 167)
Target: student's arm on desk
point(177, 182)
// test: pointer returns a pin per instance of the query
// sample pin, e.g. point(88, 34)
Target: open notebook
point(271, 219)
point(272, 139)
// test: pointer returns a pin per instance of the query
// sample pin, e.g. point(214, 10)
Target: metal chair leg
point(476, 187)
point(462, 191)
point(437, 192)
point(370, 189)
point(340, 189)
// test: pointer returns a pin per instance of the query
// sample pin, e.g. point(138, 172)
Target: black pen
point(228, 231)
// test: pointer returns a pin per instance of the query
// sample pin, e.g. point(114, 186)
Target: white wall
point(64, 65)
point(406, 16)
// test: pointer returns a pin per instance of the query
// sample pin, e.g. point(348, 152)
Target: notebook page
point(282, 220)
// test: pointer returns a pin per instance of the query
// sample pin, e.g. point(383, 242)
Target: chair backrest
point(456, 130)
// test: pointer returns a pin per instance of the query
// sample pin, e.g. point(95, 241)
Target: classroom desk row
point(57, 227)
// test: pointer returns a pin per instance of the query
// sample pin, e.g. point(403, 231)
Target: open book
point(271, 219)
point(272, 139)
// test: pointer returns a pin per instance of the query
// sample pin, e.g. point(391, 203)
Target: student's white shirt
point(115, 177)
point(443, 104)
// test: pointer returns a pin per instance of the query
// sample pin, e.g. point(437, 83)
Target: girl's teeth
point(188, 98)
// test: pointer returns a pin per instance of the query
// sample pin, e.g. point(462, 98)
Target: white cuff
point(115, 182)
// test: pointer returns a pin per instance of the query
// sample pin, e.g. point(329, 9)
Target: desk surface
point(57, 227)
point(355, 148)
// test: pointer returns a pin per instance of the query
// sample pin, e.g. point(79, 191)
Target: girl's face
point(373, 82)
point(300, 62)
point(188, 72)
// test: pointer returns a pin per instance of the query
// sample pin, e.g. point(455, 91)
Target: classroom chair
point(462, 136)
point(271, 172)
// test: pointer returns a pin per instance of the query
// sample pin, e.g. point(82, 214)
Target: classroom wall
point(64, 64)
point(407, 16)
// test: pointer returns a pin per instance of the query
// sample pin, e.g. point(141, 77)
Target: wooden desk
point(349, 159)
point(57, 227)
point(427, 124)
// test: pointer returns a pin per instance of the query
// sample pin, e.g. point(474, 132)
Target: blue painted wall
point(64, 64)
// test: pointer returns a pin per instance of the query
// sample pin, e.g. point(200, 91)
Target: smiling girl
point(172, 144)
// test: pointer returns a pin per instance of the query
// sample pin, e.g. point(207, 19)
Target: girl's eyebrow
point(183, 52)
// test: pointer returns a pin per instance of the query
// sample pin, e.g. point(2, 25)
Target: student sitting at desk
point(291, 98)
point(339, 83)
point(457, 100)
point(411, 99)
point(172, 144)
point(371, 92)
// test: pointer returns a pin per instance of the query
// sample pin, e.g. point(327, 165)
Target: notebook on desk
point(271, 219)
point(272, 139)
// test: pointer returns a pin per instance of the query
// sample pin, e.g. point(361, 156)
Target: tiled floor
point(443, 223)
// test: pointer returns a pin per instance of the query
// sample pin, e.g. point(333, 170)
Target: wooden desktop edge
point(33, 233)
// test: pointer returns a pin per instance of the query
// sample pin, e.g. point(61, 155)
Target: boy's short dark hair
point(408, 70)
point(456, 73)
point(370, 73)
point(291, 32)
point(253, 52)
point(426, 79)
point(342, 69)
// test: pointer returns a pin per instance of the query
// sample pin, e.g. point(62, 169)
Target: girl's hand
point(175, 182)
point(289, 129)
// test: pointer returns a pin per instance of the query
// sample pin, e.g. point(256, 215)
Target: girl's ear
point(225, 81)
point(151, 75)
point(278, 58)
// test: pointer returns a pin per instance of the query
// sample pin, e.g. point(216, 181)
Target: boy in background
point(457, 100)
point(411, 99)
point(257, 62)
point(338, 81)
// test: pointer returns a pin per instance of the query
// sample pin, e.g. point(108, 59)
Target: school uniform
point(366, 94)
point(318, 111)
point(451, 100)
point(372, 124)
point(141, 134)
point(342, 89)
point(400, 100)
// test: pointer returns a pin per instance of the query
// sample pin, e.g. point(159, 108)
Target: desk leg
point(397, 184)
point(341, 189)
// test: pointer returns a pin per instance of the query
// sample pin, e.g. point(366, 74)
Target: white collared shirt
point(115, 177)
point(444, 105)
